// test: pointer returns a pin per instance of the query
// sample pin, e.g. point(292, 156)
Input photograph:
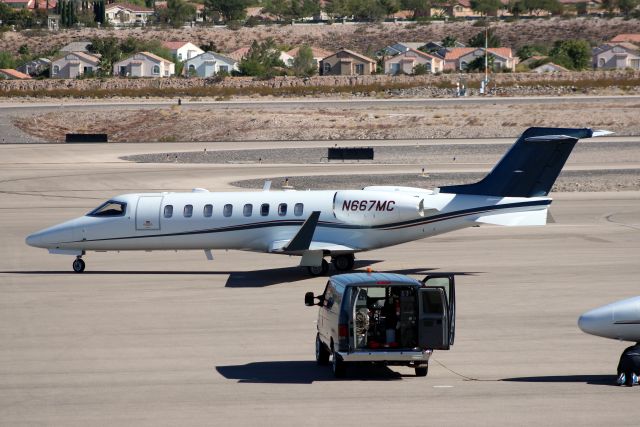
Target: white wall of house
point(187, 51)
point(141, 65)
point(617, 57)
point(121, 16)
point(209, 64)
point(71, 66)
point(405, 62)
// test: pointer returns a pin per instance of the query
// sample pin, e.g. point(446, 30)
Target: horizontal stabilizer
point(516, 219)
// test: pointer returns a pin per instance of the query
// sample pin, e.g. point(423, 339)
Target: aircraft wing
point(303, 240)
point(280, 247)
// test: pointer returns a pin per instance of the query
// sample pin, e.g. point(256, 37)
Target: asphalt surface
point(168, 338)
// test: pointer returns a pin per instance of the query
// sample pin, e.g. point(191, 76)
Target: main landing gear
point(340, 262)
point(78, 265)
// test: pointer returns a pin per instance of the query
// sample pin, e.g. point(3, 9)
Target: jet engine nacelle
point(362, 207)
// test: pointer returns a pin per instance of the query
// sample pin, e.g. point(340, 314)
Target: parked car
point(384, 318)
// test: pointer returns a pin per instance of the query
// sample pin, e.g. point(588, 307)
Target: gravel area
point(255, 123)
point(419, 154)
point(568, 181)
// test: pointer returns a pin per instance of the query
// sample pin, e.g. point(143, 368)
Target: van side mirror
point(309, 299)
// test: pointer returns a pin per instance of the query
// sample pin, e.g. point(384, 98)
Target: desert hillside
point(365, 38)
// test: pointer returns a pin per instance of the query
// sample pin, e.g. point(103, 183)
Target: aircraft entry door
point(148, 213)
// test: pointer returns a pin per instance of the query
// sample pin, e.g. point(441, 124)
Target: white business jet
point(319, 224)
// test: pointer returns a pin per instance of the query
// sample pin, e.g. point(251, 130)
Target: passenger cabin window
point(282, 209)
point(264, 209)
point(188, 211)
point(247, 210)
point(168, 211)
point(110, 208)
point(227, 210)
point(298, 209)
point(208, 211)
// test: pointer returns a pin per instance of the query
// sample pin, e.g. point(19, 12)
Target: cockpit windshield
point(110, 208)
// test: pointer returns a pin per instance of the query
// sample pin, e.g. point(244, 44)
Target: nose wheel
point(78, 265)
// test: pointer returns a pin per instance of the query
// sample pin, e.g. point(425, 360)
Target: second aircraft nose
point(34, 240)
point(597, 321)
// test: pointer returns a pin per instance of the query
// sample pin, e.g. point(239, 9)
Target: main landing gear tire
point(78, 265)
point(338, 366)
point(320, 270)
point(421, 371)
point(322, 353)
point(343, 262)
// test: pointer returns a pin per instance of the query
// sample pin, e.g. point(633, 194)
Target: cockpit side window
point(109, 209)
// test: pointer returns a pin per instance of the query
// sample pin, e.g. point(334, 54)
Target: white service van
point(384, 318)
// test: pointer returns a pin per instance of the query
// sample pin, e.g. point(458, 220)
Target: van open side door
point(437, 312)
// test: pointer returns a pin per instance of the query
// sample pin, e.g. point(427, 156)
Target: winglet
point(302, 240)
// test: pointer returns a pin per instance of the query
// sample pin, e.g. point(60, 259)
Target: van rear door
point(437, 312)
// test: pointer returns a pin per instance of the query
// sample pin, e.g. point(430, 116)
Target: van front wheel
point(338, 366)
point(421, 371)
point(322, 354)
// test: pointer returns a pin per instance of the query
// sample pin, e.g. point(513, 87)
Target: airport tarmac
point(169, 338)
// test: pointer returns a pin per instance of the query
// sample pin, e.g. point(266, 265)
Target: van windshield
point(110, 208)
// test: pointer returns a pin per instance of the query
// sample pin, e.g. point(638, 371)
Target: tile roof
point(238, 54)
point(317, 52)
point(551, 64)
point(87, 56)
point(456, 52)
point(130, 7)
point(14, 73)
point(154, 56)
point(174, 45)
point(358, 55)
point(633, 38)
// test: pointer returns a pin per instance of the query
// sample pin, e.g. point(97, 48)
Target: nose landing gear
point(78, 265)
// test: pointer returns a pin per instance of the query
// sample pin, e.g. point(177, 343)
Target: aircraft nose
point(597, 321)
point(34, 240)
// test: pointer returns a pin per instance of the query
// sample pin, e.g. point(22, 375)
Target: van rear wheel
point(338, 365)
point(421, 371)
point(322, 354)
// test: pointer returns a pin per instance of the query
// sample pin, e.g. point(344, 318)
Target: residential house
point(9, 74)
point(629, 38)
point(208, 64)
point(30, 4)
point(74, 64)
point(581, 7)
point(406, 62)
point(347, 63)
point(124, 14)
point(183, 50)
point(318, 55)
point(616, 56)
point(549, 67)
point(81, 46)
point(454, 9)
point(144, 64)
point(35, 67)
point(458, 58)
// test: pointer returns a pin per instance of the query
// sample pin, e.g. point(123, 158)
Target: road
point(170, 338)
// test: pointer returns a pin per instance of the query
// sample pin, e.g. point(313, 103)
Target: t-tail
point(531, 166)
